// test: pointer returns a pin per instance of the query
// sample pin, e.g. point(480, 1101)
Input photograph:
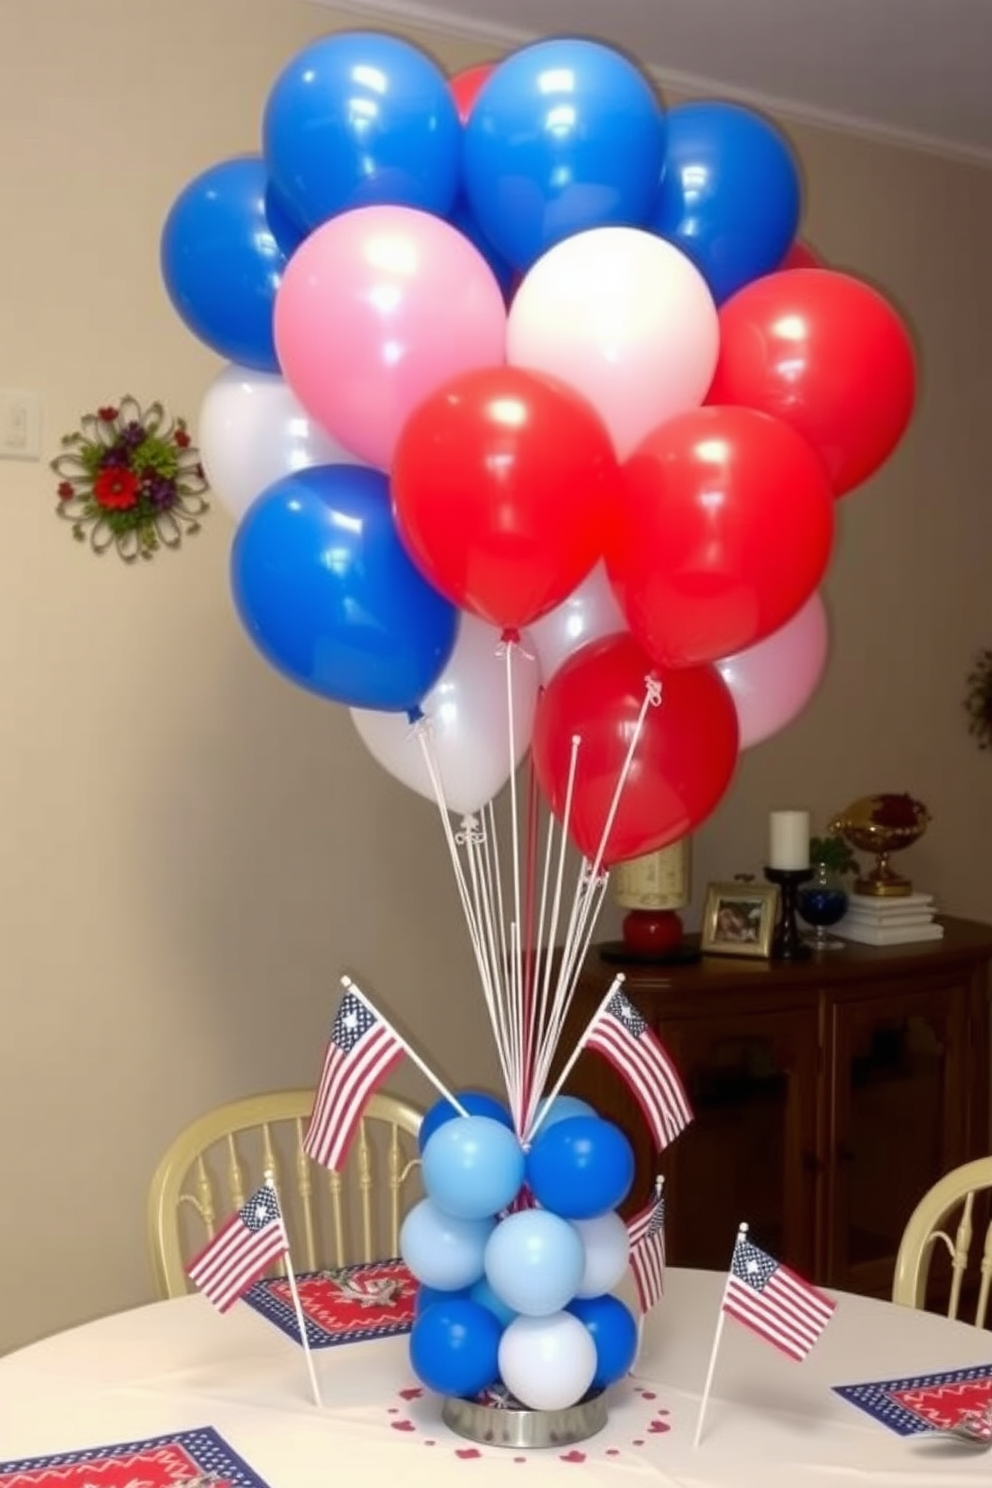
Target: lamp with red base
point(652, 889)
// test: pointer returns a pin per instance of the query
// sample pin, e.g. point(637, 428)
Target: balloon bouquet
point(535, 421)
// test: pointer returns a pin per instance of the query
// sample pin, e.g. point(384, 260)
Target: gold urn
point(882, 825)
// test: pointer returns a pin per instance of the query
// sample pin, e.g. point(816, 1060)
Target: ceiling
point(916, 71)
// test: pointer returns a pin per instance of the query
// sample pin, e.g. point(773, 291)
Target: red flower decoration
point(182, 439)
point(116, 489)
point(66, 490)
point(106, 415)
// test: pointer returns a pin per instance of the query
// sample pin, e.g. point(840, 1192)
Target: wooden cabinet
point(828, 1094)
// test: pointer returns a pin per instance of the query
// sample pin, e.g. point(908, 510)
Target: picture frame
point(739, 919)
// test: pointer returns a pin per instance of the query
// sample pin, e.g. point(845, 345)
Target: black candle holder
point(787, 942)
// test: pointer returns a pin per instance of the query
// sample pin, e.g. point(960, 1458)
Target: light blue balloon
point(561, 1108)
point(441, 1251)
point(472, 1167)
point(483, 1293)
point(534, 1262)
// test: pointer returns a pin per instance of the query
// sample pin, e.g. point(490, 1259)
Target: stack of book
point(889, 921)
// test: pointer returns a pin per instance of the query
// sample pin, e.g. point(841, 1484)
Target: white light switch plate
point(20, 425)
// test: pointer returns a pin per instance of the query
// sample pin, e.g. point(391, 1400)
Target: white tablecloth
point(179, 1365)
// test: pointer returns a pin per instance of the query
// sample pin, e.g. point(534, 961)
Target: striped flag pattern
point(363, 1048)
point(622, 1036)
point(241, 1250)
point(774, 1301)
point(647, 1252)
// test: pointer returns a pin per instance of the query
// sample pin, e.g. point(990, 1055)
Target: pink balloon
point(377, 308)
point(772, 682)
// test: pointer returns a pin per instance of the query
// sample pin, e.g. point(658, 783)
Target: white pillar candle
point(788, 844)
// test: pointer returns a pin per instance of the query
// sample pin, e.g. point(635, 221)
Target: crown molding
point(442, 22)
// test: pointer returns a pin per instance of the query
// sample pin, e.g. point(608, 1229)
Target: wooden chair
point(333, 1219)
point(957, 1190)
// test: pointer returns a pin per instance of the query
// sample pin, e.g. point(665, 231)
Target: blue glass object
point(822, 902)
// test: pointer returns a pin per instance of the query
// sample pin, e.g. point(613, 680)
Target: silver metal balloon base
point(514, 1426)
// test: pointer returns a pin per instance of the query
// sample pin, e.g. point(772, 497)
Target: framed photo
point(739, 919)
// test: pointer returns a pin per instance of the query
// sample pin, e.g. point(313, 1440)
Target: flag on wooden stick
point(647, 1249)
point(241, 1250)
point(362, 1050)
point(622, 1036)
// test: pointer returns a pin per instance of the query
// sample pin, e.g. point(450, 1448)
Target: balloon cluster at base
point(517, 1254)
point(524, 353)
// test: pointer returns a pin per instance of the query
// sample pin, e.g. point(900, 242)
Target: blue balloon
point(731, 195)
point(564, 135)
point(483, 1293)
point(361, 119)
point(614, 1332)
point(472, 1167)
point(462, 217)
point(454, 1347)
point(224, 247)
point(426, 1296)
point(475, 1102)
point(534, 1262)
point(580, 1167)
point(561, 1108)
point(328, 594)
point(444, 1253)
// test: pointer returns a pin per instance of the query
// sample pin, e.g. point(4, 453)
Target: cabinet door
point(750, 1152)
point(899, 1121)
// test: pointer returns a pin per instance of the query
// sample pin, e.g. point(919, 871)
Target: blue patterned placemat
point(922, 1402)
point(372, 1300)
point(186, 1459)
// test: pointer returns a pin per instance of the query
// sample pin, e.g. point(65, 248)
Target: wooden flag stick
point(716, 1349)
point(351, 986)
point(297, 1307)
point(614, 987)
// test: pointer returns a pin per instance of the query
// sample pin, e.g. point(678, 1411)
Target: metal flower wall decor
point(130, 479)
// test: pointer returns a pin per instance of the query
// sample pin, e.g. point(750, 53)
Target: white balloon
point(548, 1363)
point(625, 319)
point(467, 712)
point(590, 611)
point(606, 1242)
point(252, 430)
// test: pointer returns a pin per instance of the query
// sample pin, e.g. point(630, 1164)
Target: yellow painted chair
point(333, 1219)
point(929, 1226)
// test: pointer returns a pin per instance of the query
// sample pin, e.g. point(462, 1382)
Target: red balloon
point(800, 256)
point(830, 356)
point(501, 483)
point(465, 87)
point(682, 764)
point(723, 530)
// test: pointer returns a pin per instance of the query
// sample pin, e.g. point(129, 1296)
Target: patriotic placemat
point(373, 1300)
point(187, 1459)
point(922, 1402)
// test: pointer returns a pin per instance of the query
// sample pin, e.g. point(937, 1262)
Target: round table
point(178, 1366)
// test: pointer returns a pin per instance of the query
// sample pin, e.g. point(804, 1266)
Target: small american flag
point(773, 1301)
point(363, 1049)
point(622, 1036)
point(647, 1251)
point(241, 1250)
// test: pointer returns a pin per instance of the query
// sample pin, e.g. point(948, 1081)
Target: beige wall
point(190, 849)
